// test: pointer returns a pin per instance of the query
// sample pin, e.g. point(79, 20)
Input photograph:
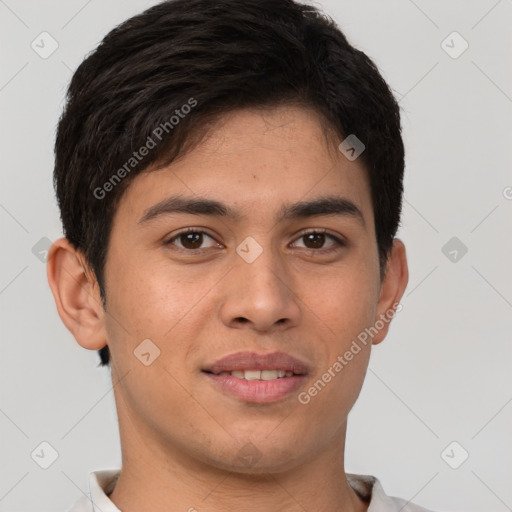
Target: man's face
point(249, 285)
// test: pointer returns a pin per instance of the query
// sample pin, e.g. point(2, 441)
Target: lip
point(253, 361)
point(257, 391)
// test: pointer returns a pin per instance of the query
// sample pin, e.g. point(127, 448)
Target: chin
point(259, 456)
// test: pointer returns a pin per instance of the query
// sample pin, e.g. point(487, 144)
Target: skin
point(180, 435)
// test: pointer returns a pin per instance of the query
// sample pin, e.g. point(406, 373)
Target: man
point(229, 176)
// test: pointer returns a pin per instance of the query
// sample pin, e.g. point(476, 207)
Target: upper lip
point(241, 361)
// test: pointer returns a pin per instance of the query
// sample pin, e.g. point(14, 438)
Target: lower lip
point(257, 391)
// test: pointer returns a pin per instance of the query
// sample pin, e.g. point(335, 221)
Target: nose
point(260, 295)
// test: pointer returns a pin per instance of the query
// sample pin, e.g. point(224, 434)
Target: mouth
point(257, 378)
point(257, 374)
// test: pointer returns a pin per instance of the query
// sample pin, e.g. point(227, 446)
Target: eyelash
point(339, 243)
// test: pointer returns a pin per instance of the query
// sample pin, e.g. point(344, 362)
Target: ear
point(392, 288)
point(76, 294)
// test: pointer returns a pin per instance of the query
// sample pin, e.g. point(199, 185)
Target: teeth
point(258, 374)
point(268, 374)
point(252, 375)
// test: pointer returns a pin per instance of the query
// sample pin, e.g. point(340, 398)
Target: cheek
point(344, 302)
point(150, 298)
point(343, 355)
point(155, 302)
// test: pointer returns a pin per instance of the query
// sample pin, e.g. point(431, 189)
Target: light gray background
point(443, 373)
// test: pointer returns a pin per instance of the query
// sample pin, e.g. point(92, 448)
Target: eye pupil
point(318, 240)
point(195, 239)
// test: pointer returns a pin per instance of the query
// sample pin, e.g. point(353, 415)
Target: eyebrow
point(322, 206)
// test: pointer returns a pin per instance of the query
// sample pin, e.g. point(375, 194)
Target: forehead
point(257, 160)
point(272, 127)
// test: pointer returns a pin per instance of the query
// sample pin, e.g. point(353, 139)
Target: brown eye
point(318, 241)
point(314, 240)
point(191, 240)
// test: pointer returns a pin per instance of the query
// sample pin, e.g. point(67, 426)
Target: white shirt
point(102, 483)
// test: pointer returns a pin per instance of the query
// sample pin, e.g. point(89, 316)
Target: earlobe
point(392, 289)
point(76, 295)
